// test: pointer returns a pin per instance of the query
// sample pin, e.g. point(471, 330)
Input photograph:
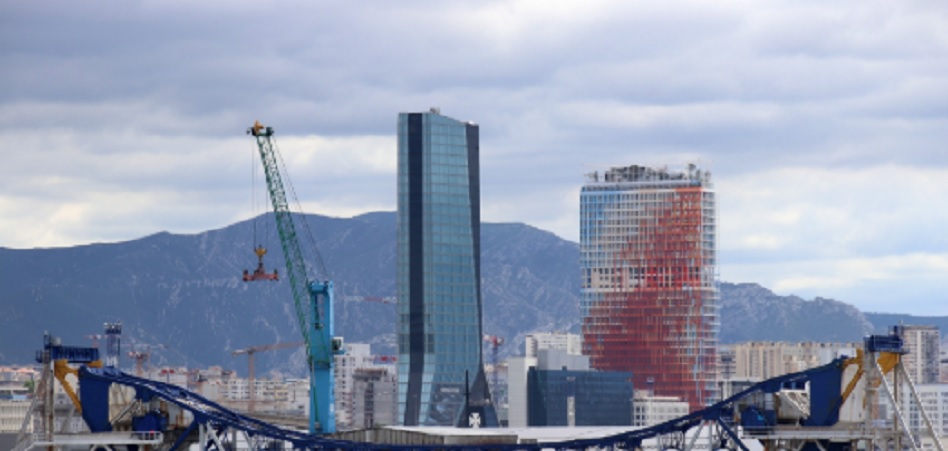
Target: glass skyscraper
point(440, 366)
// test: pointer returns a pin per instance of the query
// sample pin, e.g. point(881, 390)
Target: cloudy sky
point(825, 124)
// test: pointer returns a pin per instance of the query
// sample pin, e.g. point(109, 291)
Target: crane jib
point(308, 296)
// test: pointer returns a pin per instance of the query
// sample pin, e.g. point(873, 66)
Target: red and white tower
point(649, 284)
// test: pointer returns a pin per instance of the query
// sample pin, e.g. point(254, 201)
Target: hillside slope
point(185, 292)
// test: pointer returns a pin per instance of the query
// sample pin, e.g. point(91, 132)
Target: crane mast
point(315, 324)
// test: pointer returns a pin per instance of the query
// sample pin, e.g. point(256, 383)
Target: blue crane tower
point(313, 299)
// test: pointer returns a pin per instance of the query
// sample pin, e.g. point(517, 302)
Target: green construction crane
point(313, 299)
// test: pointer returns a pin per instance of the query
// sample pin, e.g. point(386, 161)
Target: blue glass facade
point(599, 398)
point(439, 304)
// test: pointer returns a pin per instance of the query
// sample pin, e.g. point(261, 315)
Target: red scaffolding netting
point(655, 315)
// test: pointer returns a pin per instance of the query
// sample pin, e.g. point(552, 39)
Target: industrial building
point(650, 298)
point(440, 361)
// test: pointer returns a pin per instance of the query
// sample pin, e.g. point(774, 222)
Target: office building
point(571, 343)
point(649, 410)
point(923, 351)
point(517, 370)
point(557, 388)
point(760, 360)
point(649, 285)
point(559, 397)
point(374, 397)
point(14, 403)
point(943, 366)
point(440, 362)
point(934, 398)
point(357, 362)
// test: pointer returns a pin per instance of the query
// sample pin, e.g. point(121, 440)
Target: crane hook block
point(260, 273)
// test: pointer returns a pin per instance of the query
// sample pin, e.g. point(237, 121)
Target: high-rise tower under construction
point(649, 289)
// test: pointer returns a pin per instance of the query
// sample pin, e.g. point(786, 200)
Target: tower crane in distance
point(140, 357)
point(250, 352)
point(141, 354)
point(313, 298)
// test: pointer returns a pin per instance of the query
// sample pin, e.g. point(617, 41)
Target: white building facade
point(923, 344)
point(358, 357)
point(649, 410)
point(764, 360)
point(571, 343)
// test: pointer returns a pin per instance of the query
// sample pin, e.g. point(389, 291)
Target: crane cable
point(320, 266)
point(256, 206)
point(253, 196)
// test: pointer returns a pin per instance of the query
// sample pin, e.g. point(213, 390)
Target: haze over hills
point(184, 292)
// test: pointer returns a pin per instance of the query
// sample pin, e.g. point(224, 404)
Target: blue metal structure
point(209, 417)
point(177, 417)
point(213, 420)
point(53, 350)
point(313, 299)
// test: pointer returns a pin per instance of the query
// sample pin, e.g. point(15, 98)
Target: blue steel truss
point(214, 420)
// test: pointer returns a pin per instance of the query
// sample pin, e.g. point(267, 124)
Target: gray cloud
point(124, 119)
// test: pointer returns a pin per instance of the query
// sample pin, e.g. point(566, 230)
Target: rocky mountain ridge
point(183, 294)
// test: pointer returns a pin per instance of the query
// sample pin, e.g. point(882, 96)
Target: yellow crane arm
point(61, 369)
point(887, 361)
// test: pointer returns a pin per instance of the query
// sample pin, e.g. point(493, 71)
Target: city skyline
point(824, 124)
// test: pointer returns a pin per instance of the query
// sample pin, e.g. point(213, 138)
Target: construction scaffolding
point(650, 297)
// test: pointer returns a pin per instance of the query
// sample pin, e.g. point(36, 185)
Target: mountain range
point(181, 297)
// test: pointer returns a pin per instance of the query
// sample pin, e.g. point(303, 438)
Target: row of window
point(443, 276)
point(445, 213)
point(445, 254)
point(645, 218)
